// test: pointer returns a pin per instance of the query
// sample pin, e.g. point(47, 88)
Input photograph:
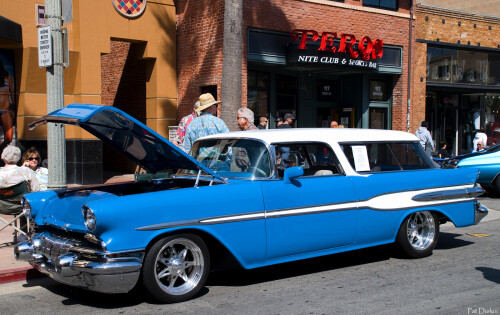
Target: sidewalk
point(10, 268)
point(14, 270)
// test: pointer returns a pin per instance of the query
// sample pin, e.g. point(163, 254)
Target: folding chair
point(10, 204)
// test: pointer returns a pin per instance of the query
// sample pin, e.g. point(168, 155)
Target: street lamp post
point(56, 145)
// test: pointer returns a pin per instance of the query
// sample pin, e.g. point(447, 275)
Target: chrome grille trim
point(52, 246)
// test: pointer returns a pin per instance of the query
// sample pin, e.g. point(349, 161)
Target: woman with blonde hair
point(31, 159)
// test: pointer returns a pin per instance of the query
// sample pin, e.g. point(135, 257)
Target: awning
point(10, 30)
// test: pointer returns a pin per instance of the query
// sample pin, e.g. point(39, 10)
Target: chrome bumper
point(481, 212)
point(67, 262)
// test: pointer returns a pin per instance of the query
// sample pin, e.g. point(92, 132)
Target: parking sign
point(44, 47)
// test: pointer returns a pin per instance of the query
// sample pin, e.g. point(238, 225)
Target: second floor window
point(382, 4)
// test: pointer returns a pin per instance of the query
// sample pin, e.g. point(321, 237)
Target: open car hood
point(127, 135)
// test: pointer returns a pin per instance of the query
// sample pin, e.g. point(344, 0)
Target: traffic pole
point(56, 144)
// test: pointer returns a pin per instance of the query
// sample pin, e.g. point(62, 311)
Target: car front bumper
point(65, 261)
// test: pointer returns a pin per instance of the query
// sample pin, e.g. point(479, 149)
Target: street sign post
point(44, 47)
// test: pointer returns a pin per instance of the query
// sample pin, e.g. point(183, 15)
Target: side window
point(386, 156)
point(317, 159)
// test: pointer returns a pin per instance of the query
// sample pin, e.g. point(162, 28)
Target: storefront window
point(461, 66)
point(258, 93)
point(492, 118)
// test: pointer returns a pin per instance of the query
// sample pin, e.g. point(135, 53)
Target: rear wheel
point(418, 234)
point(176, 268)
point(496, 186)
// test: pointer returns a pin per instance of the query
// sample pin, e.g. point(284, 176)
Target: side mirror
point(291, 173)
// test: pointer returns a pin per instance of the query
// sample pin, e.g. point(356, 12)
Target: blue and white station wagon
point(253, 198)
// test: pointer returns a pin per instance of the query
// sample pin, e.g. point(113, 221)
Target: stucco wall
point(95, 23)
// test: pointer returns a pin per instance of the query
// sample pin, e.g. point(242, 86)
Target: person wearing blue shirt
point(206, 124)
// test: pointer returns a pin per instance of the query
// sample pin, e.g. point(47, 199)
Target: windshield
point(493, 148)
point(233, 158)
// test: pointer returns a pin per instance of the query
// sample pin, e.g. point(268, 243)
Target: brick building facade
point(273, 82)
point(457, 76)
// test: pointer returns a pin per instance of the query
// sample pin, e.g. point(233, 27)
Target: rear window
point(386, 156)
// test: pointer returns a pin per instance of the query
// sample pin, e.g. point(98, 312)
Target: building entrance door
point(442, 117)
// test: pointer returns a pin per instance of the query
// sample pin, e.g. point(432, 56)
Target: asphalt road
point(461, 277)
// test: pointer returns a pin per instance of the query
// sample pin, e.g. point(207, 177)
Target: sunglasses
point(32, 159)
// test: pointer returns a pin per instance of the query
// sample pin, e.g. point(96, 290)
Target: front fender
point(133, 222)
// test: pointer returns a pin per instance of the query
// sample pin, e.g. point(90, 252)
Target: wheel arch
point(220, 256)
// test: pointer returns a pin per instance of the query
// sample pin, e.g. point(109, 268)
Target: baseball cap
point(289, 115)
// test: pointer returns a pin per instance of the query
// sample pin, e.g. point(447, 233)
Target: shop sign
point(333, 50)
point(327, 90)
point(130, 8)
point(378, 90)
point(366, 49)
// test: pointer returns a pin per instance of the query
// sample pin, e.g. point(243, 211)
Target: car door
point(311, 212)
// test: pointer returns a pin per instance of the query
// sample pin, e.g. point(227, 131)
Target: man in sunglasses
point(262, 123)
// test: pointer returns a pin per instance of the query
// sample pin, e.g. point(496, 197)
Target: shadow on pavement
point(490, 274)
point(451, 240)
point(299, 268)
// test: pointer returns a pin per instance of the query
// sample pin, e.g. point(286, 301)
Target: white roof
point(320, 134)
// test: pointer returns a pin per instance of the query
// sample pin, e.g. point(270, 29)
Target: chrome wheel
point(418, 234)
point(179, 266)
point(176, 268)
point(421, 230)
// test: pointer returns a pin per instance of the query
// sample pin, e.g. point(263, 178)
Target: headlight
point(89, 218)
point(26, 207)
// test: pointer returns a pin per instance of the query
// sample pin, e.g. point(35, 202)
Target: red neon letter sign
point(302, 34)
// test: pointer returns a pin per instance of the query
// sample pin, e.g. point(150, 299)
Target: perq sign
point(44, 47)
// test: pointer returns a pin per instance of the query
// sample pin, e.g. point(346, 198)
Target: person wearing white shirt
point(11, 174)
point(479, 137)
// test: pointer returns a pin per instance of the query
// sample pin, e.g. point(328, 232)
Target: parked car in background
point(488, 163)
point(249, 199)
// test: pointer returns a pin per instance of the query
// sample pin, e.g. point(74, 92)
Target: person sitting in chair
point(11, 174)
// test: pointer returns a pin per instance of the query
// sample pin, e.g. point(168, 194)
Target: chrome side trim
point(384, 202)
point(204, 221)
point(450, 194)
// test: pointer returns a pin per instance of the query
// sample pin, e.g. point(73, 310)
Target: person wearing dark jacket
point(288, 120)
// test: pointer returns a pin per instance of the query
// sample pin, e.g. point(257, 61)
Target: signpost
point(56, 143)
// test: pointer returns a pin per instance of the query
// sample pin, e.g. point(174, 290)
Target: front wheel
point(418, 234)
point(176, 268)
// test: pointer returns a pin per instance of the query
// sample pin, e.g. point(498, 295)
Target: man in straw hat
point(207, 124)
point(185, 121)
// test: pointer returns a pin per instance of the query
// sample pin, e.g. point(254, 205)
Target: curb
point(12, 275)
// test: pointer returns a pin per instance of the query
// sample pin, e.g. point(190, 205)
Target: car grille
point(52, 246)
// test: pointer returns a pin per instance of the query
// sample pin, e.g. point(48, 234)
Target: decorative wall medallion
point(130, 8)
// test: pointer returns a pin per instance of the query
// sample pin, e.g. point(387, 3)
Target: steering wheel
point(257, 171)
